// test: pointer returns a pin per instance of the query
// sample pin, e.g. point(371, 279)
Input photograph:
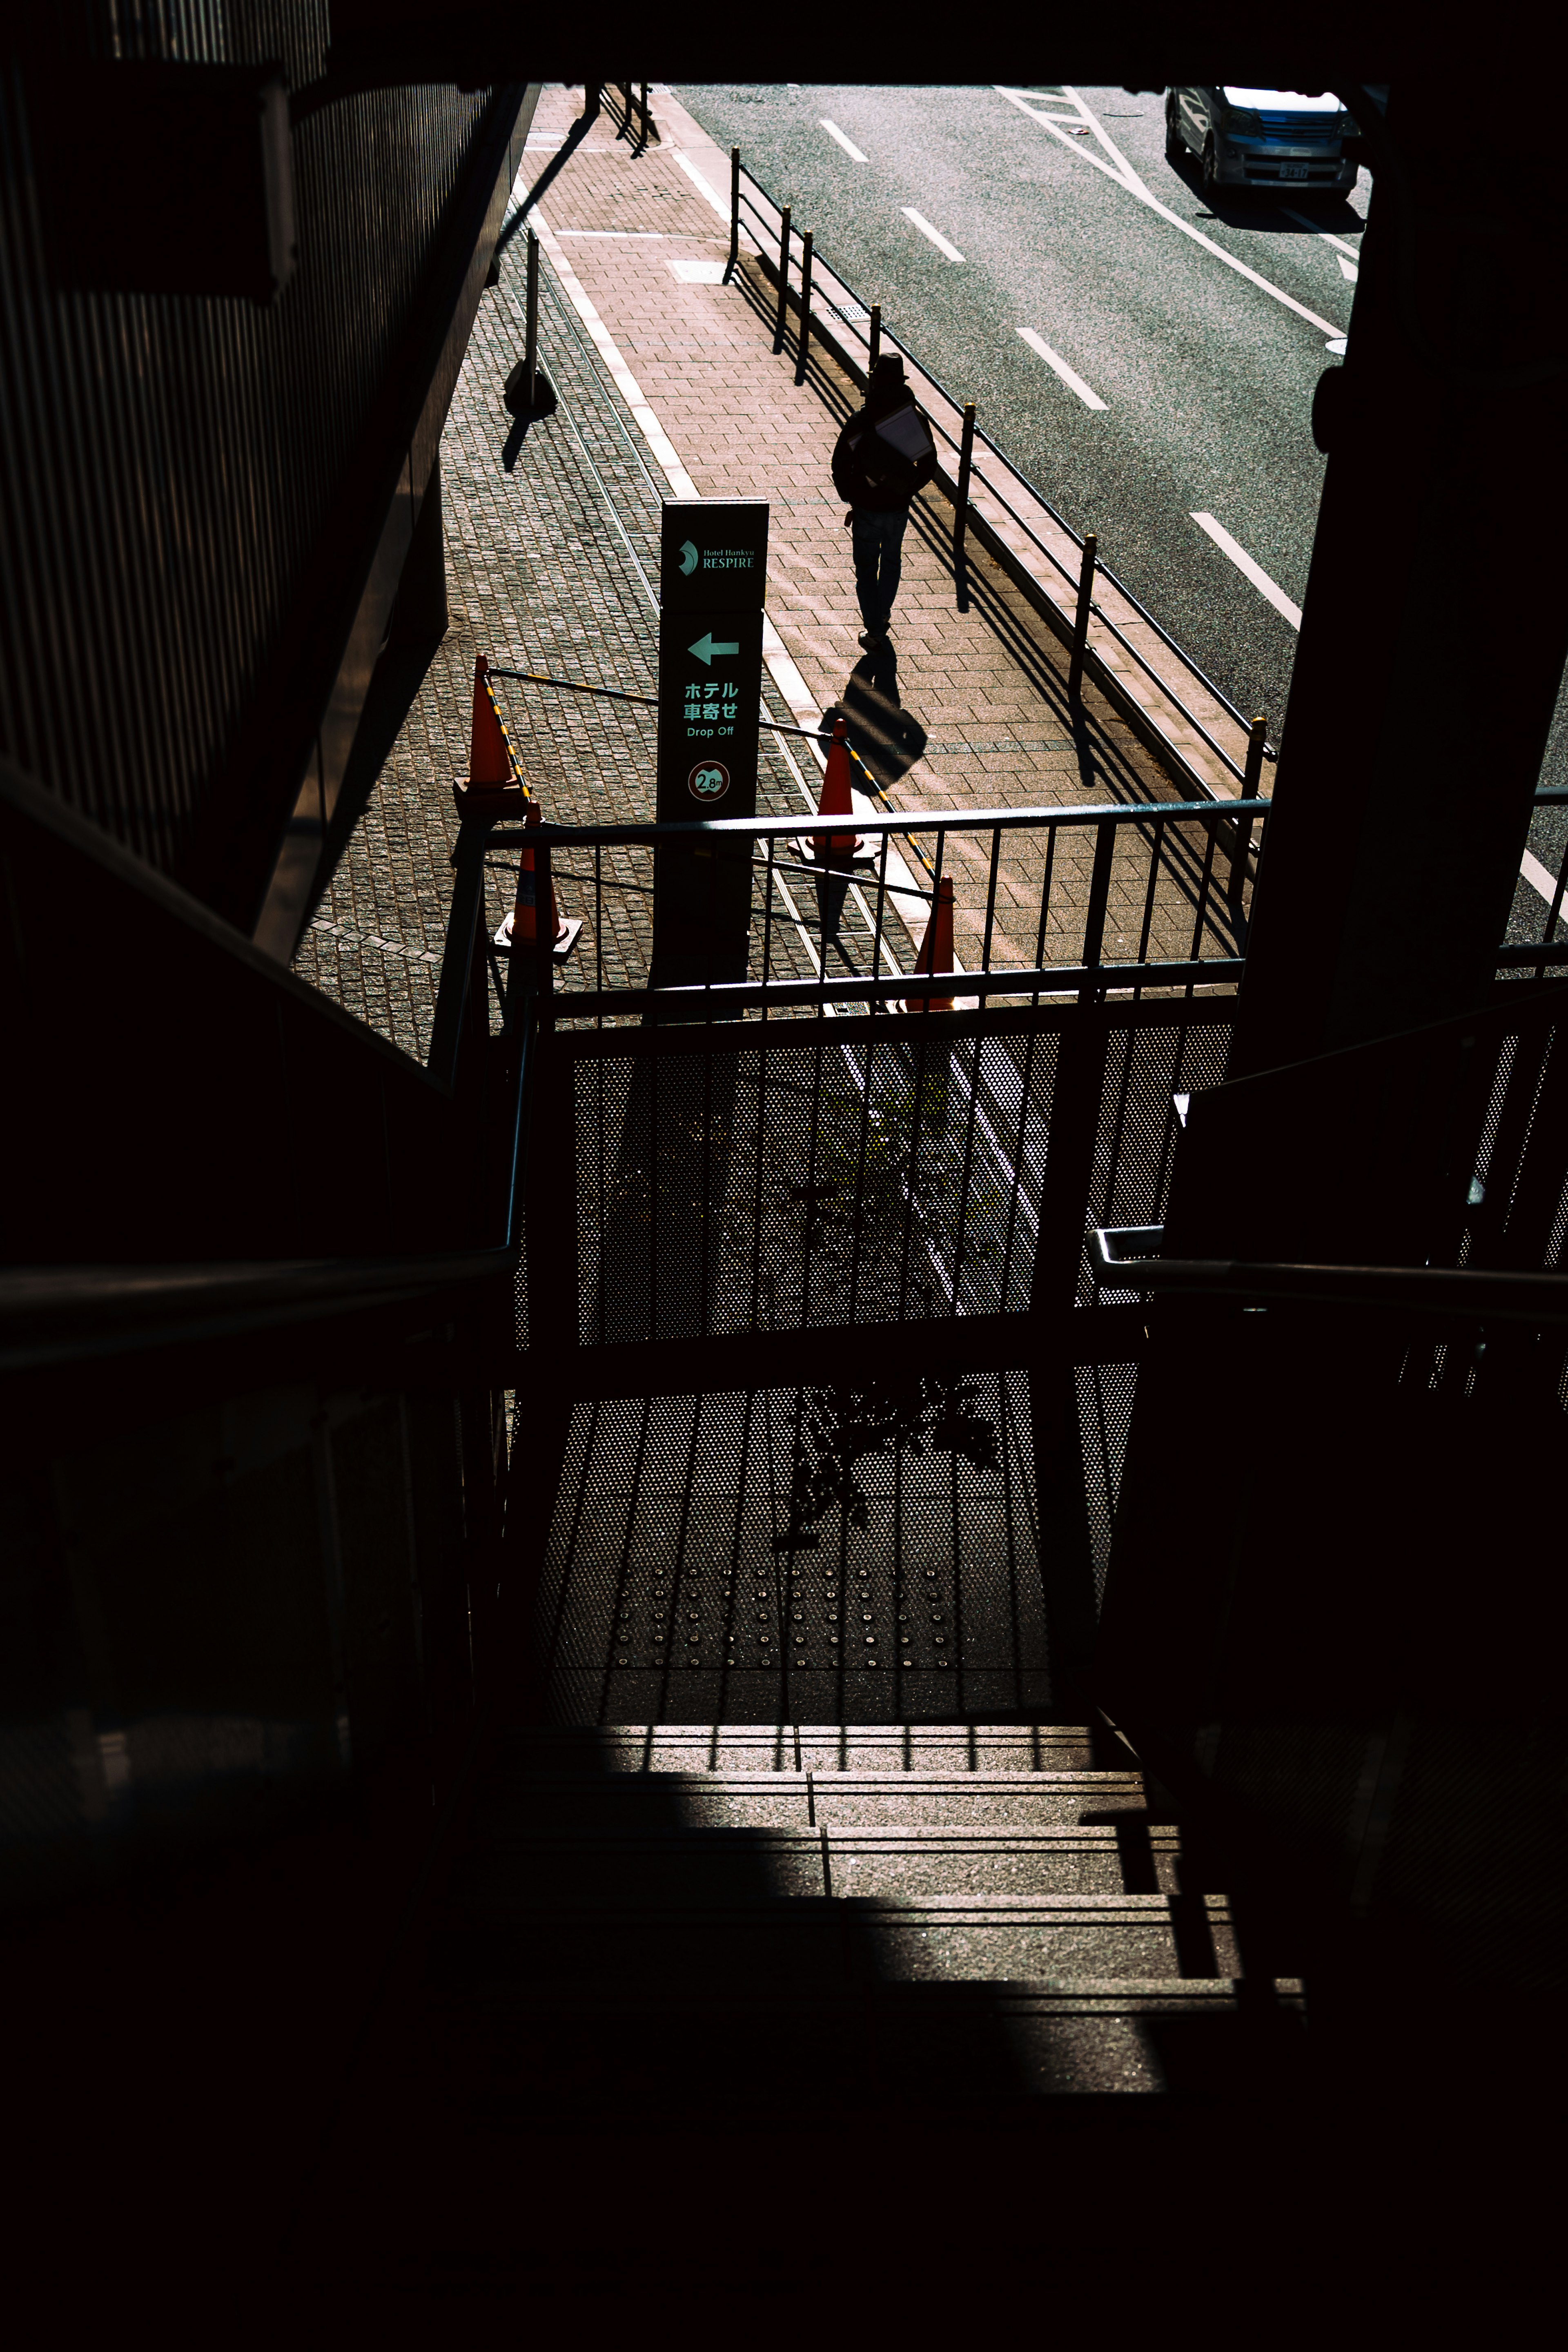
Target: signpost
point(713, 564)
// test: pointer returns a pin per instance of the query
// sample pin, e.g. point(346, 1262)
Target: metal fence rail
point(1049, 902)
point(731, 1180)
point(774, 226)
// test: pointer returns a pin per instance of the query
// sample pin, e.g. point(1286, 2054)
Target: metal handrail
point(1440, 1290)
point(764, 828)
point(723, 998)
point(114, 1310)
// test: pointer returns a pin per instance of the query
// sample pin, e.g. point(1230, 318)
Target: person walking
point(882, 457)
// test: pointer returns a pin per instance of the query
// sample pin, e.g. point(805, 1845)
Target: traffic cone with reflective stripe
point(837, 800)
point(494, 787)
point(521, 929)
point(936, 951)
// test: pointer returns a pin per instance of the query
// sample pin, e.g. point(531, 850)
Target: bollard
point(530, 348)
point(805, 336)
point(961, 510)
point(734, 215)
point(646, 117)
point(874, 339)
point(1081, 625)
point(784, 281)
point(1251, 780)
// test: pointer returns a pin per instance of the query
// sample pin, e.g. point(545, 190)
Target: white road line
point(695, 176)
point(1253, 572)
point(1308, 222)
point(782, 667)
point(1054, 359)
point(1124, 177)
point(652, 431)
point(1127, 179)
point(1539, 878)
point(847, 144)
point(935, 235)
point(1104, 137)
point(1348, 269)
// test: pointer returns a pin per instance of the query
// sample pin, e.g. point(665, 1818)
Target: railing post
point(646, 117)
point(1250, 781)
point(784, 281)
point(1098, 899)
point(1080, 625)
point(735, 214)
point(874, 338)
point(543, 938)
point(961, 510)
point(530, 348)
point(805, 336)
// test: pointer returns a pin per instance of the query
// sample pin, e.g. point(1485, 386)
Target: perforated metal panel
point(783, 1186)
point(1135, 1139)
point(1105, 1395)
point(819, 1555)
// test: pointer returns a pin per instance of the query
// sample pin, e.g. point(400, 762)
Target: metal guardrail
point(1447, 1292)
point(1160, 857)
point(849, 314)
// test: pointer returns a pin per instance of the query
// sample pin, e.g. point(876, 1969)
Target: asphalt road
point(1206, 378)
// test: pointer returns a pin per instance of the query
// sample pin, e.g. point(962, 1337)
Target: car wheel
point(1211, 168)
point(1175, 145)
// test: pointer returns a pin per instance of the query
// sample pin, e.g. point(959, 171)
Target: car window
point(1283, 101)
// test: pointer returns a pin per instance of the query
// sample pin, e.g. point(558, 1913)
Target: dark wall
point(213, 1618)
point(173, 516)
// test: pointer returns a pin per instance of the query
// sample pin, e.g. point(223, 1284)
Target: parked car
point(1264, 138)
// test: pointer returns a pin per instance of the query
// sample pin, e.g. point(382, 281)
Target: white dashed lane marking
point(1074, 382)
point(846, 142)
point(1249, 569)
point(935, 235)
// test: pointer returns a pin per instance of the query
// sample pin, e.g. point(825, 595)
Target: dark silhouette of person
point(877, 516)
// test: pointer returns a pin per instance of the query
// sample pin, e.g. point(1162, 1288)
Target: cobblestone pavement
point(551, 551)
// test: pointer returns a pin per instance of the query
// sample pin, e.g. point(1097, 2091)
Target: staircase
point(919, 1915)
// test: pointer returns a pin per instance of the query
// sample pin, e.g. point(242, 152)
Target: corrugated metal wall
point(166, 462)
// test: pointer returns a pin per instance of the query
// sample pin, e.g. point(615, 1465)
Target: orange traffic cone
point(936, 951)
point(837, 848)
point(494, 787)
point(521, 929)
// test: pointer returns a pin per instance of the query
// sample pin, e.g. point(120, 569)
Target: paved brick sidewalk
point(552, 540)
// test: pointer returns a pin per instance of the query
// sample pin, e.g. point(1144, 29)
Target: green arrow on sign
point(705, 650)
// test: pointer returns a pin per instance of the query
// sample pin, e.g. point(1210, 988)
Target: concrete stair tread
point(767, 1837)
point(739, 2050)
point(666, 1747)
point(991, 1994)
point(867, 1800)
point(772, 1907)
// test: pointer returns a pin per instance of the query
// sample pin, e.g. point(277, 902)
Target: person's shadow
point(887, 741)
point(880, 731)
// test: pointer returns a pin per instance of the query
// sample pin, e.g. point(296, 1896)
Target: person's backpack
point(890, 457)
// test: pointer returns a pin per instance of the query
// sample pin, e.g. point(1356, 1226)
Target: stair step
point(931, 2043)
point(788, 1800)
point(812, 1747)
point(820, 1941)
point(617, 1866)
